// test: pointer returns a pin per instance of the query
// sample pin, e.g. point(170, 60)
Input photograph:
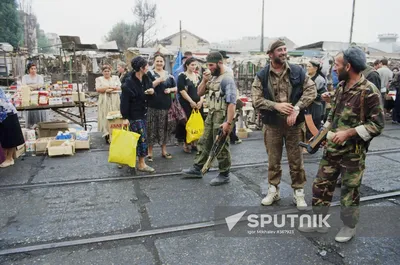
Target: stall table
point(65, 114)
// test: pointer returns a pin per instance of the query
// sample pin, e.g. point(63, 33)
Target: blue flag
point(178, 62)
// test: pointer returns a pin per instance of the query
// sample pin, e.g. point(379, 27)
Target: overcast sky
point(302, 21)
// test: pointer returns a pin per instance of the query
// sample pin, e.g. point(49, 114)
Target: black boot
point(221, 179)
point(193, 172)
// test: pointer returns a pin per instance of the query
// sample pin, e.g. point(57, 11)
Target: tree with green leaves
point(11, 28)
point(42, 41)
point(126, 35)
point(146, 15)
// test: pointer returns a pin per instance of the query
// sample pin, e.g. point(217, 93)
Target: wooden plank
point(67, 105)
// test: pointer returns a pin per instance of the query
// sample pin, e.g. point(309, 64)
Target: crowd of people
point(282, 91)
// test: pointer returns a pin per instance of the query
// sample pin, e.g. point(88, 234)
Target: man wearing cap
point(282, 92)
point(225, 61)
point(220, 90)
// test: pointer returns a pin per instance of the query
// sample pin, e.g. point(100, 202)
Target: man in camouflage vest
point(356, 118)
point(220, 89)
point(282, 92)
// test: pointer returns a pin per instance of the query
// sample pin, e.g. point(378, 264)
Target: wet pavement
point(110, 202)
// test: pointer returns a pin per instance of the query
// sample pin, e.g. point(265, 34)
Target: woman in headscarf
point(188, 82)
point(136, 90)
point(316, 109)
point(108, 87)
point(35, 81)
point(10, 130)
point(158, 129)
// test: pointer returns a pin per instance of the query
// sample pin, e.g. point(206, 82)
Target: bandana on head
point(276, 45)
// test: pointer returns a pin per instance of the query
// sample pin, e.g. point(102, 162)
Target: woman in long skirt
point(158, 128)
point(109, 88)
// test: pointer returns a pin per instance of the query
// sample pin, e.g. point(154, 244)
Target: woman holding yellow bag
point(136, 90)
point(188, 82)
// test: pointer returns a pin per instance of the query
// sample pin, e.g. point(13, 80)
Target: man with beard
point(356, 118)
point(220, 90)
point(282, 92)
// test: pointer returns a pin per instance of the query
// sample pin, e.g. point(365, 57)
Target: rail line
point(160, 231)
point(164, 174)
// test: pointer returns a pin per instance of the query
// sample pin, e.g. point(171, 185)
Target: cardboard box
point(20, 151)
point(242, 133)
point(55, 148)
point(50, 129)
point(75, 97)
point(41, 144)
point(114, 124)
point(82, 144)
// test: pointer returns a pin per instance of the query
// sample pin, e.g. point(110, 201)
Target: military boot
point(345, 234)
point(298, 199)
point(272, 196)
point(221, 179)
point(193, 172)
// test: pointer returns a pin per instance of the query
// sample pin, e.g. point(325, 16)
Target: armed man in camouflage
point(282, 92)
point(220, 89)
point(356, 118)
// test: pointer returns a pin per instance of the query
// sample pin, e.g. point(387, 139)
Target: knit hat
point(276, 44)
point(214, 57)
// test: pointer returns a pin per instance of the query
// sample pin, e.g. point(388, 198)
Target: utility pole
point(262, 28)
point(180, 34)
point(352, 22)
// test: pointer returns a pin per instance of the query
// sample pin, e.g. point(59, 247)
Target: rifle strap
point(362, 106)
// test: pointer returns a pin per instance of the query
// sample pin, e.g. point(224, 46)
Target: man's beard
point(343, 76)
point(279, 60)
point(217, 71)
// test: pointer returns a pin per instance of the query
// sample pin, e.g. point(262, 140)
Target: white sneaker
point(345, 234)
point(298, 199)
point(272, 196)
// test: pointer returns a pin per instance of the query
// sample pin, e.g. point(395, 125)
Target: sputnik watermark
point(245, 222)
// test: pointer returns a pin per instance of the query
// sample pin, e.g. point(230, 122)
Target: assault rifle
point(220, 141)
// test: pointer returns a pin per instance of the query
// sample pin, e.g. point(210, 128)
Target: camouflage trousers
point(204, 145)
point(274, 138)
point(351, 167)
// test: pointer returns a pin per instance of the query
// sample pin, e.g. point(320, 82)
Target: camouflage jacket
point(349, 112)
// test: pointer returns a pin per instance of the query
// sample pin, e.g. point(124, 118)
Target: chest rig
point(215, 96)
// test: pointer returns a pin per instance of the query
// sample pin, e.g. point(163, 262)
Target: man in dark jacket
point(282, 92)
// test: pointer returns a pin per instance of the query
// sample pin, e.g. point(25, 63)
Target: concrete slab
point(393, 156)
point(382, 142)
point(257, 177)
point(86, 255)
point(382, 174)
point(176, 201)
point(205, 248)
point(23, 169)
point(56, 213)
point(85, 165)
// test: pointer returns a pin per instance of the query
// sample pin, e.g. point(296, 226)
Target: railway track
point(160, 231)
point(164, 174)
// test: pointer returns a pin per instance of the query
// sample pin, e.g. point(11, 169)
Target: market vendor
point(10, 130)
point(108, 86)
point(35, 81)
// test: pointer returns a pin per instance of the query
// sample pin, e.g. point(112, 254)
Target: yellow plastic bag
point(123, 147)
point(194, 127)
